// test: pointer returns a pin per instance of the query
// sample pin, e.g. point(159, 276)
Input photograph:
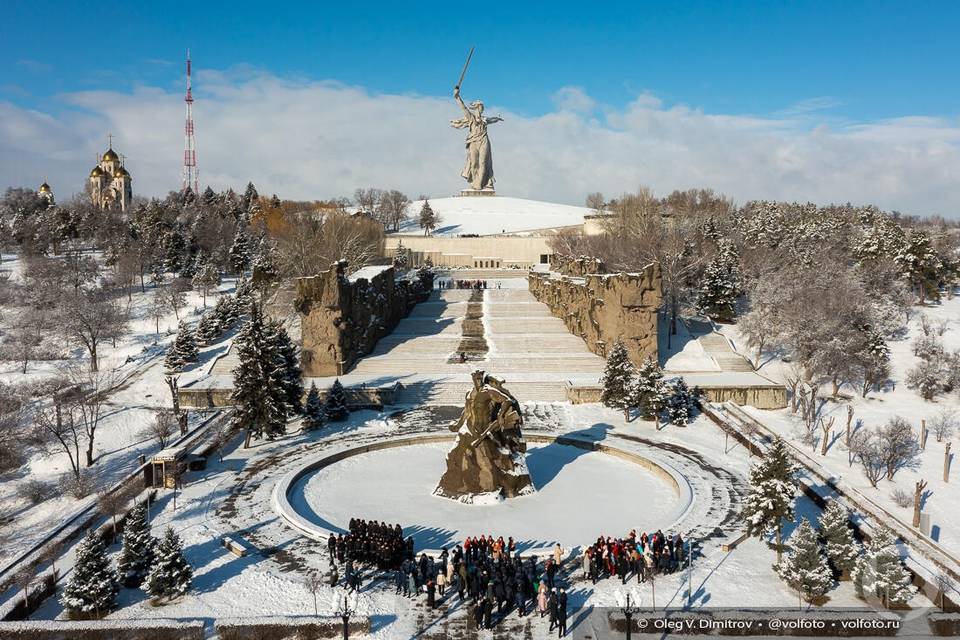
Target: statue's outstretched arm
point(456, 96)
point(493, 119)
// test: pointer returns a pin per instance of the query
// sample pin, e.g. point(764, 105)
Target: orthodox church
point(110, 183)
point(45, 192)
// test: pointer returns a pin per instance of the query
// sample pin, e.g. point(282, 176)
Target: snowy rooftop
point(494, 215)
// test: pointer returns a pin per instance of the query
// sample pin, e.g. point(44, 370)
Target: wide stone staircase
point(526, 346)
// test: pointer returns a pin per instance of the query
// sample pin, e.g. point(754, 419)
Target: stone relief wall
point(342, 318)
point(577, 267)
point(602, 308)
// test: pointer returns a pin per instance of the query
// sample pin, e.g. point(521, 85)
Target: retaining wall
point(604, 308)
point(342, 318)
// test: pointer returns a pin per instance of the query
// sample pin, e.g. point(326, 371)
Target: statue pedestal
point(469, 193)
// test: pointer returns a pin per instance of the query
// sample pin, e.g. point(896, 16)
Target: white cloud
point(304, 139)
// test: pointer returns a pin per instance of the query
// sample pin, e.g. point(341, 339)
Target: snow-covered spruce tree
point(136, 554)
point(208, 329)
point(879, 572)
point(260, 401)
point(682, 403)
point(289, 375)
point(772, 492)
point(805, 568)
point(428, 219)
point(618, 380)
point(265, 269)
point(314, 413)
point(240, 250)
point(874, 361)
point(170, 574)
point(227, 312)
point(174, 247)
point(250, 196)
point(336, 407)
point(835, 531)
point(183, 350)
point(92, 588)
point(919, 261)
point(650, 390)
point(720, 285)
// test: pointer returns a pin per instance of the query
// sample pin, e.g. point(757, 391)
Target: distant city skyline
point(806, 101)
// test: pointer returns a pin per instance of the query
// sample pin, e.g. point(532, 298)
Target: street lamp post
point(345, 611)
point(628, 610)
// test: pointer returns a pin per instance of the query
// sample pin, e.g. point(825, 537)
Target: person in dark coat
point(622, 567)
point(552, 608)
point(400, 581)
point(519, 599)
point(431, 595)
point(498, 593)
point(478, 610)
point(562, 614)
point(487, 614)
point(334, 575)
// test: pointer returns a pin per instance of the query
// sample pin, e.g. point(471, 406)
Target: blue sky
point(821, 101)
point(862, 60)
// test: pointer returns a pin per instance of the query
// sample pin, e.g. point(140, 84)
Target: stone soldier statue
point(489, 455)
point(478, 168)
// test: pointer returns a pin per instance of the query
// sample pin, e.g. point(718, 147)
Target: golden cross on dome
point(110, 140)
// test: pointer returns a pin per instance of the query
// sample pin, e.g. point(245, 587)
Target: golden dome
point(123, 171)
point(111, 155)
point(97, 172)
point(44, 188)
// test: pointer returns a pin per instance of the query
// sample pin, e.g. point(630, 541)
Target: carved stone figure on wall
point(488, 458)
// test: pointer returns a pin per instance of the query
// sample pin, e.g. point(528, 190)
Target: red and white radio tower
point(190, 175)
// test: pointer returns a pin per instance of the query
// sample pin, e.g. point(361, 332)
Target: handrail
point(910, 536)
point(14, 565)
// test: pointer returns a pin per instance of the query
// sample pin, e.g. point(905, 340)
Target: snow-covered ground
point(896, 399)
point(135, 366)
point(494, 215)
point(233, 497)
point(568, 481)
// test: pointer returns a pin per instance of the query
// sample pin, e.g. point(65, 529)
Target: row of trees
point(156, 566)
point(625, 387)
point(817, 559)
point(828, 285)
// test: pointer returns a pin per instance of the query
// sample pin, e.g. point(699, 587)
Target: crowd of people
point(463, 284)
point(378, 544)
point(644, 556)
point(490, 575)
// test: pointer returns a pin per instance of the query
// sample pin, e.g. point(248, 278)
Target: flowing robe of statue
point(478, 169)
point(489, 457)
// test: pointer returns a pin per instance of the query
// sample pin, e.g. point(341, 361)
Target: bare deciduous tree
point(898, 444)
point(596, 201)
point(91, 318)
point(163, 425)
point(113, 504)
point(392, 208)
point(55, 427)
point(87, 403)
point(865, 448)
point(944, 424)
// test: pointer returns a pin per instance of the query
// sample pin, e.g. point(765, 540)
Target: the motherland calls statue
point(488, 459)
point(478, 169)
